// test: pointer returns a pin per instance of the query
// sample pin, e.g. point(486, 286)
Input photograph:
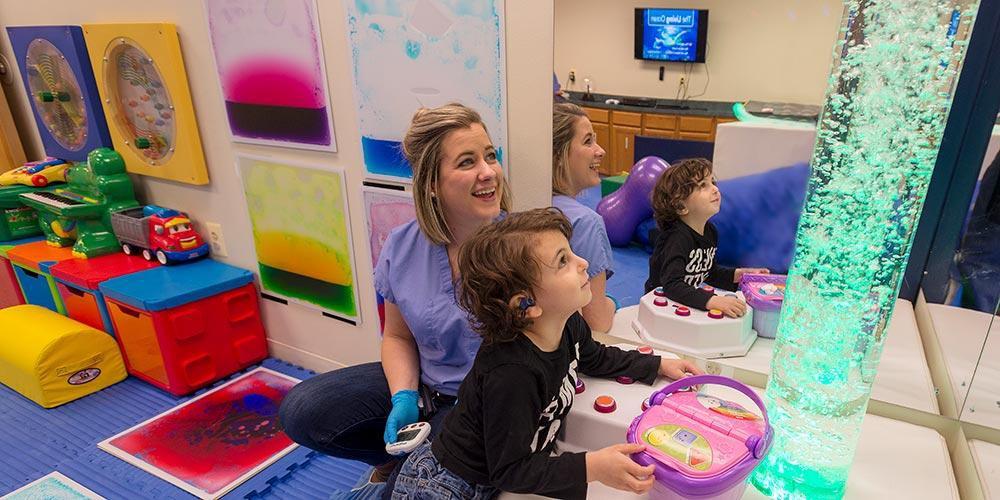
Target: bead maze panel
point(60, 84)
point(141, 79)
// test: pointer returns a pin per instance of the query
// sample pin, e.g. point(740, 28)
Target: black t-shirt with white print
point(683, 260)
point(513, 404)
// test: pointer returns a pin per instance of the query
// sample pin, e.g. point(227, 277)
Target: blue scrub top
point(590, 237)
point(414, 274)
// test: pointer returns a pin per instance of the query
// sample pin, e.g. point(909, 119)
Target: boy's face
point(563, 286)
point(705, 200)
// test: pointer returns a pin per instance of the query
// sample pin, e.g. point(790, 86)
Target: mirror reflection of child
point(524, 287)
point(683, 258)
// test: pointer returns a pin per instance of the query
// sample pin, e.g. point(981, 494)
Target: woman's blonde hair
point(422, 148)
point(564, 117)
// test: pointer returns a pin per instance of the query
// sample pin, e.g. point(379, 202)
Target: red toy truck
point(158, 232)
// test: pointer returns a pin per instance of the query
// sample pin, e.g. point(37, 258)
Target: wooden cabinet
point(616, 131)
point(623, 144)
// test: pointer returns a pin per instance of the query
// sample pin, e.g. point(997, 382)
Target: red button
point(645, 349)
point(580, 386)
point(605, 404)
point(660, 302)
point(625, 380)
point(682, 311)
point(645, 404)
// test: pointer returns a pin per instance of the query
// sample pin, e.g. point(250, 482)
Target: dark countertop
point(663, 106)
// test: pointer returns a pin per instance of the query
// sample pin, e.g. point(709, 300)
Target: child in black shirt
point(523, 287)
point(683, 258)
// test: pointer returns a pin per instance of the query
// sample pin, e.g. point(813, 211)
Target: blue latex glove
point(404, 412)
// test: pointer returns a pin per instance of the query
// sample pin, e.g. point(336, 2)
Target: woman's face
point(469, 179)
point(585, 155)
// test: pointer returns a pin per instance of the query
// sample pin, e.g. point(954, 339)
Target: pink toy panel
point(698, 434)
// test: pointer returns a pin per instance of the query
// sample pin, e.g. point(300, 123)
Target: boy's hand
point(748, 270)
point(730, 306)
point(613, 467)
point(678, 368)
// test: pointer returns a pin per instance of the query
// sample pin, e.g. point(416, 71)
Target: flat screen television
point(677, 35)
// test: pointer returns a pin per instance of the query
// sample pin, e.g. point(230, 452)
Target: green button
point(46, 96)
point(141, 142)
point(64, 96)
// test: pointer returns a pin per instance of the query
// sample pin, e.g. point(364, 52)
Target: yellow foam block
point(51, 359)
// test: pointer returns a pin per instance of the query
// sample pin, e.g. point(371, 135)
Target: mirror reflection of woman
point(576, 156)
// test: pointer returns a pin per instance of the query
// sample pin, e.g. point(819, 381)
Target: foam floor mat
point(36, 441)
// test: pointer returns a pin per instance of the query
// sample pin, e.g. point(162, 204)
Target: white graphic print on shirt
point(699, 263)
point(552, 416)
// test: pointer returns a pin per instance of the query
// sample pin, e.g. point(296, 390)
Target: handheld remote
point(408, 438)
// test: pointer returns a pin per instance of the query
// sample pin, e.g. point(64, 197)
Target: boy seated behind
point(683, 258)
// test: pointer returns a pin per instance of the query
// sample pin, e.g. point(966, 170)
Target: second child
point(683, 259)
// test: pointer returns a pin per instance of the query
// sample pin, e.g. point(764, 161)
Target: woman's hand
point(404, 412)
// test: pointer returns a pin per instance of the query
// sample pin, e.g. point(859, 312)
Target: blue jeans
point(423, 477)
point(343, 412)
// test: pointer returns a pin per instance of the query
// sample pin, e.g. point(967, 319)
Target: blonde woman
point(428, 345)
point(575, 158)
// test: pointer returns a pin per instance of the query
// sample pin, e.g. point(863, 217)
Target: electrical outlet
point(216, 239)
point(572, 76)
point(682, 81)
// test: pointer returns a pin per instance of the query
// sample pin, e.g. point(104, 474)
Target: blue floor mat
point(631, 264)
point(631, 270)
point(37, 441)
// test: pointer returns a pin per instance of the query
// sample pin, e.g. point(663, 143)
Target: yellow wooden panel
point(141, 78)
point(11, 151)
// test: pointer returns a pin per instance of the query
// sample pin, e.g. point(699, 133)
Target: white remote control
point(408, 438)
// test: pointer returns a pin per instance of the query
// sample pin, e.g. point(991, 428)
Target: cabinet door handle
point(626, 142)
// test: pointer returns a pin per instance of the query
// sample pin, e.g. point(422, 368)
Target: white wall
point(295, 333)
point(766, 50)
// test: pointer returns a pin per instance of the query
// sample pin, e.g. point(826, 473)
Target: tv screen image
point(671, 34)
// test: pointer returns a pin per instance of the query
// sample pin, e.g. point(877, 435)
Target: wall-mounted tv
point(671, 34)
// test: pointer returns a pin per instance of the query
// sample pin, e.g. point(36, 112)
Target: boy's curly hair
point(499, 262)
point(674, 186)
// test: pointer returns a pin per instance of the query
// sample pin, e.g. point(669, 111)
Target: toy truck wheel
point(147, 255)
point(162, 257)
point(126, 249)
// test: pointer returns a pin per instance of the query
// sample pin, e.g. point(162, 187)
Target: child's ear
point(523, 302)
